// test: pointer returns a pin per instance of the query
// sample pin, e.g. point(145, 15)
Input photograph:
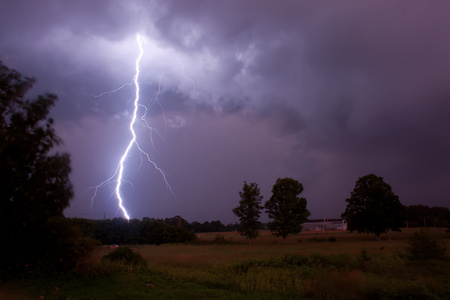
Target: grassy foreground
point(335, 265)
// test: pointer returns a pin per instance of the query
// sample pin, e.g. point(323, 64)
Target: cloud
point(176, 122)
point(324, 92)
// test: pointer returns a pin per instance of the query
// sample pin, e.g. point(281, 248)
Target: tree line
point(133, 231)
point(178, 230)
point(146, 231)
point(425, 216)
point(207, 226)
point(372, 208)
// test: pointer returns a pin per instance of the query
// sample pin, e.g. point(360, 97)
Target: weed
point(317, 240)
point(350, 269)
point(126, 256)
point(336, 285)
point(423, 247)
point(220, 239)
point(364, 255)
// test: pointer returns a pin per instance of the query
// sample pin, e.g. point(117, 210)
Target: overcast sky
point(324, 92)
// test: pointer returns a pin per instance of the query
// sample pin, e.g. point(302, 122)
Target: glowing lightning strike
point(118, 174)
point(133, 121)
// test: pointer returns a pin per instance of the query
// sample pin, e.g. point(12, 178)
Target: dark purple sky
point(321, 91)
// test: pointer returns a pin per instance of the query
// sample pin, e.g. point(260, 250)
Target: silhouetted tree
point(249, 210)
point(217, 226)
point(373, 207)
point(235, 227)
point(213, 226)
point(287, 210)
point(35, 184)
point(178, 221)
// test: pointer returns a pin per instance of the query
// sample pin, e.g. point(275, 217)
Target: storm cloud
point(321, 91)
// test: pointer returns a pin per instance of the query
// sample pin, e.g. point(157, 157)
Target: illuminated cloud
point(324, 92)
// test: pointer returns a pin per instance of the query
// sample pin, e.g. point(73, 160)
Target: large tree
point(286, 208)
point(249, 210)
point(373, 207)
point(35, 186)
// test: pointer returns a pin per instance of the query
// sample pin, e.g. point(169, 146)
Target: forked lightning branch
point(118, 176)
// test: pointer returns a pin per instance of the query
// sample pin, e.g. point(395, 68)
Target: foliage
point(287, 210)
point(213, 226)
point(220, 239)
point(35, 179)
point(178, 221)
point(373, 207)
point(423, 216)
point(317, 240)
point(134, 231)
point(126, 256)
point(249, 210)
point(292, 261)
point(207, 226)
point(423, 247)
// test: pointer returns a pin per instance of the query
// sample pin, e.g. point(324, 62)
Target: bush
point(332, 239)
point(220, 239)
point(317, 240)
point(125, 255)
point(364, 255)
point(422, 247)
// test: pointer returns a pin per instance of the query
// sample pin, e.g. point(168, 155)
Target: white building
point(327, 224)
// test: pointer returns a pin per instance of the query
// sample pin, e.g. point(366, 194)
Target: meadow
point(311, 265)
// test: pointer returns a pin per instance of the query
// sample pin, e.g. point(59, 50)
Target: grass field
point(308, 266)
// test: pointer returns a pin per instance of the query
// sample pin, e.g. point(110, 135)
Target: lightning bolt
point(133, 133)
point(117, 177)
point(112, 91)
point(184, 74)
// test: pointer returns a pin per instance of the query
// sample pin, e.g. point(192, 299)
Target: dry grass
point(268, 246)
point(238, 269)
point(12, 293)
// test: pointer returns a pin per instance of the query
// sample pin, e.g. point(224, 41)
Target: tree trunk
point(250, 241)
point(284, 239)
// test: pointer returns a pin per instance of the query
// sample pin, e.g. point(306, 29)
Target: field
point(311, 265)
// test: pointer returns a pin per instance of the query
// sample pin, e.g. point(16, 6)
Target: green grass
point(355, 266)
point(120, 285)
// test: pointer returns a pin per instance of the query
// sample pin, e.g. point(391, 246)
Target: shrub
point(336, 285)
point(220, 239)
point(422, 247)
point(125, 255)
point(332, 239)
point(317, 240)
point(364, 255)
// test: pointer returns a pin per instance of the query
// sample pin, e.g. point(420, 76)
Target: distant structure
point(325, 224)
